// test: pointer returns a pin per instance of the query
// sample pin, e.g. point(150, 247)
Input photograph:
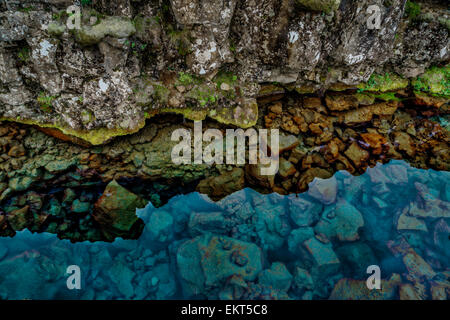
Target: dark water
point(316, 245)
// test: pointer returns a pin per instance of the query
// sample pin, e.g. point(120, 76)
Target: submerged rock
point(324, 190)
point(207, 261)
point(276, 278)
point(342, 223)
point(349, 289)
point(115, 211)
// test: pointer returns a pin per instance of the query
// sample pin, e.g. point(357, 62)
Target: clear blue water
point(256, 246)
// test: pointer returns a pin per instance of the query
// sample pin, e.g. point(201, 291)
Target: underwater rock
point(222, 185)
point(417, 266)
point(323, 255)
point(20, 183)
point(115, 210)
point(80, 207)
point(122, 276)
point(409, 292)
point(349, 289)
point(304, 212)
point(357, 256)
point(342, 222)
point(324, 190)
point(160, 227)
point(296, 239)
point(276, 278)
point(207, 261)
point(3, 252)
point(357, 155)
point(303, 280)
point(406, 222)
point(271, 225)
point(207, 222)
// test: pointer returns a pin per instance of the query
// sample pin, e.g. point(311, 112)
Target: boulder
point(207, 262)
point(350, 289)
point(303, 211)
point(323, 256)
point(115, 211)
point(342, 224)
point(203, 222)
point(277, 277)
point(324, 190)
point(160, 227)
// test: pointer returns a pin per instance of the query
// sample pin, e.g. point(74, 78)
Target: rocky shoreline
point(56, 186)
point(89, 99)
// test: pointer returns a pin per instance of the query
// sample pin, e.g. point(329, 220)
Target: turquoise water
point(252, 246)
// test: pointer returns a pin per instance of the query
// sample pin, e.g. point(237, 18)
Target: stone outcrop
point(126, 63)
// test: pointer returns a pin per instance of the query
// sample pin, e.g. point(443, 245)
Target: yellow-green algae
point(320, 5)
point(435, 81)
point(223, 115)
point(101, 136)
point(384, 83)
point(97, 136)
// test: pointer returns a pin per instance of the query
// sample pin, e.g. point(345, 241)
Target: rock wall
point(130, 60)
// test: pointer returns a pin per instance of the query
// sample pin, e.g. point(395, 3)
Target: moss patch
point(116, 27)
point(320, 5)
point(384, 83)
point(412, 10)
point(435, 81)
point(95, 137)
point(45, 102)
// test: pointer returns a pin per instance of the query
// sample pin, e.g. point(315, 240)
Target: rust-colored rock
point(341, 102)
point(374, 141)
point(357, 155)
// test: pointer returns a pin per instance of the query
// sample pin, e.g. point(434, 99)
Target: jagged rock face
point(129, 60)
point(343, 95)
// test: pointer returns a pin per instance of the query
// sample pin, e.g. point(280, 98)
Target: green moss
point(87, 116)
point(95, 137)
point(203, 94)
point(180, 40)
point(231, 80)
point(225, 77)
point(386, 96)
point(27, 9)
point(188, 113)
point(186, 79)
point(383, 83)
point(320, 5)
point(412, 10)
point(117, 27)
point(445, 22)
point(56, 29)
point(435, 81)
point(45, 102)
point(24, 54)
point(244, 120)
point(161, 93)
